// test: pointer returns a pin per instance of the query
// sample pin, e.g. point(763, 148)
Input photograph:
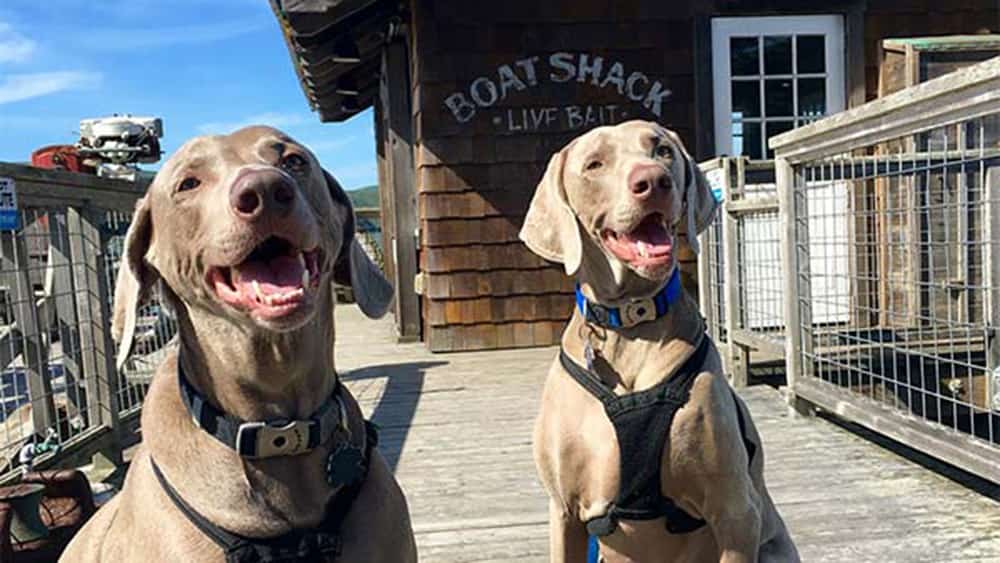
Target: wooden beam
point(751, 206)
point(970, 454)
point(400, 140)
point(40, 187)
point(966, 94)
point(734, 280)
point(93, 311)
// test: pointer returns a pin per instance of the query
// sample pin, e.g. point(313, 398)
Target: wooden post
point(706, 299)
point(34, 350)
point(64, 311)
point(739, 355)
point(93, 310)
point(399, 148)
point(991, 278)
point(794, 227)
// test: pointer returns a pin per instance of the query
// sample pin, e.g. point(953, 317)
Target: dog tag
point(588, 356)
point(344, 465)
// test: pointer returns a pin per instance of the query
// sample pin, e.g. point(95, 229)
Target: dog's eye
point(662, 151)
point(294, 164)
point(188, 184)
point(594, 165)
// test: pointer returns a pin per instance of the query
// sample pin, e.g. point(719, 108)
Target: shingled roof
point(335, 46)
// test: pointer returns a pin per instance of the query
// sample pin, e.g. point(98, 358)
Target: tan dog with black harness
point(640, 441)
point(252, 450)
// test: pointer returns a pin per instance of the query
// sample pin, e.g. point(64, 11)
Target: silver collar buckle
point(273, 438)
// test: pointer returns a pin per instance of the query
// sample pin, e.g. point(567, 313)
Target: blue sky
point(204, 66)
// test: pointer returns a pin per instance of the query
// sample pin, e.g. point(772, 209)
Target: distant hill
point(364, 197)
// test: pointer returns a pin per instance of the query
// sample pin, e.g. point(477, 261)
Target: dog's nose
point(259, 192)
point(644, 178)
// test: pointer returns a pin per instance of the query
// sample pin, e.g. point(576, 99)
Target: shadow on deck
point(457, 430)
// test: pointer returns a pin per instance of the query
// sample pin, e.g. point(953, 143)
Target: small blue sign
point(717, 192)
point(10, 219)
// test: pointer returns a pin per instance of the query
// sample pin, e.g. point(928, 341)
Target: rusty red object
point(60, 157)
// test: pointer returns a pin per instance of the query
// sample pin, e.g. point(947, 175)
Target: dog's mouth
point(273, 281)
point(649, 244)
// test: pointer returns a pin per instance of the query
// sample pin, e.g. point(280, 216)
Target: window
point(773, 74)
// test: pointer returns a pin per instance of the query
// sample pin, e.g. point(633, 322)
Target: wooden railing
point(58, 380)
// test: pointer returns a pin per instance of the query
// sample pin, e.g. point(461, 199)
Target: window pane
point(776, 128)
point(746, 99)
point(777, 55)
point(743, 57)
point(746, 139)
point(811, 53)
point(812, 97)
point(778, 98)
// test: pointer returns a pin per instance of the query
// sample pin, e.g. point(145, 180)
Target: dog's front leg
point(733, 512)
point(567, 535)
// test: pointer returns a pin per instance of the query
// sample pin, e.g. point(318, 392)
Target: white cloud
point(17, 87)
point(273, 119)
point(125, 39)
point(14, 47)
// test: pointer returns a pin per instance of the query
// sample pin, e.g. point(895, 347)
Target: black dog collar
point(269, 438)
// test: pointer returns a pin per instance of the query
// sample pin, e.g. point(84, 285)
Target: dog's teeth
point(302, 259)
point(305, 277)
point(643, 250)
point(258, 293)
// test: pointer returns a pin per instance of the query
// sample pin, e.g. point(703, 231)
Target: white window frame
point(830, 26)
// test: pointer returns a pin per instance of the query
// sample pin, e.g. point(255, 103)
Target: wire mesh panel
point(759, 256)
point(155, 324)
point(711, 264)
point(716, 265)
point(896, 258)
point(53, 383)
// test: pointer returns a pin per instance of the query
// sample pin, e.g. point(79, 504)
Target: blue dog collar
point(634, 312)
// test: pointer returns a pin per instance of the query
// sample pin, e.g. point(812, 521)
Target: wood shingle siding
point(515, 100)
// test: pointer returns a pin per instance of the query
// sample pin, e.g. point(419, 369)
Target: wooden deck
point(457, 430)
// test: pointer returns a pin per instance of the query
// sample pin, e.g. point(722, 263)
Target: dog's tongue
point(274, 277)
point(652, 235)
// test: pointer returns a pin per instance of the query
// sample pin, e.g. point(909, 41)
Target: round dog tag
point(344, 465)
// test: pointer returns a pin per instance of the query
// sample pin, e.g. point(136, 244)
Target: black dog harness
point(347, 467)
point(642, 426)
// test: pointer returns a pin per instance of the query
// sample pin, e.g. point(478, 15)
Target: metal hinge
point(419, 282)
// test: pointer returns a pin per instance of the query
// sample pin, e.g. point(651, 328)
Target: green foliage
point(364, 197)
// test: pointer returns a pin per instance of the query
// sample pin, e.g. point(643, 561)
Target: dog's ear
point(353, 267)
point(135, 280)
point(550, 227)
point(699, 202)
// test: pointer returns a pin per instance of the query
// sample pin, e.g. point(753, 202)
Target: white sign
point(716, 178)
point(10, 219)
point(558, 68)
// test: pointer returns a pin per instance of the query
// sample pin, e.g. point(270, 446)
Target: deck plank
point(457, 430)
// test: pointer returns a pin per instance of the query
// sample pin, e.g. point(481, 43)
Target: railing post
point(738, 357)
point(94, 315)
point(63, 309)
point(991, 190)
point(794, 248)
point(706, 293)
point(705, 300)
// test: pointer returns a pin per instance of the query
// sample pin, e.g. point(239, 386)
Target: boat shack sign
point(522, 75)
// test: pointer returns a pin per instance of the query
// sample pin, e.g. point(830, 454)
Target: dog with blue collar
point(645, 450)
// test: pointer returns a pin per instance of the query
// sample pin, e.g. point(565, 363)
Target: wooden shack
point(471, 99)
